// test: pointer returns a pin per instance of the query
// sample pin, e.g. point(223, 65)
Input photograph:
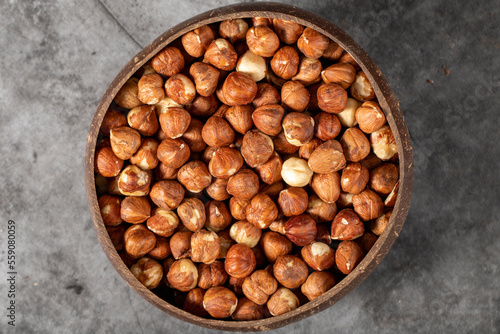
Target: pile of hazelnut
point(246, 169)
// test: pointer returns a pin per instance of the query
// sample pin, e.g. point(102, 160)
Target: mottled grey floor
point(443, 275)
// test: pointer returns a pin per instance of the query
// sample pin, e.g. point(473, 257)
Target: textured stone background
point(443, 275)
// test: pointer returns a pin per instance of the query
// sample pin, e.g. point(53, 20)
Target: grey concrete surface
point(442, 275)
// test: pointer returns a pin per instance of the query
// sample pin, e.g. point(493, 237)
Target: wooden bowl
point(387, 101)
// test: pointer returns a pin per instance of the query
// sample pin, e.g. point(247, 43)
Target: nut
point(312, 44)
point(127, 96)
point(309, 71)
point(212, 274)
point(194, 176)
point(367, 241)
point(313, 92)
point(112, 119)
point(167, 194)
point(206, 78)
point(180, 89)
point(163, 222)
point(244, 184)
point(192, 136)
point(220, 302)
point(164, 104)
point(345, 199)
point(347, 58)
point(285, 62)
point(217, 190)
point(239, 89)
point(294, 96)
point(354, 178)
point(361, 88)
point(390, 200)
point(268, 118)
point(238, 207)
point(247, 310)
point(282, 301)
point(348, 256)
point(252, 65)
point(151, 89)
point(236, 284)
point(194, 302)
point(240, 261)
point(192, 213)
point(298, 128)
point(320, 210)
point(110, 210)
point(143, 119)
point(112, 185)
point(306, 150)
point(262, 41)
point(318, 255)
point(266, 94)
point(371, 161)
point(203, 106)
point(272, 190)
point(116, 235)
point(327, 158)
point(287, 31)
point(384, 178)
point(326, 126)
point(139, 240)
point(293, 201)
point(205, 246)
point(290, 271)
point(257, 148)
point(107, 163)
point(296, 172)
point(259, 286)
point(262, 21)
point(367, 204)
point(146, 156)
point(240, 118)
point(281, 144)
point(318, 283)
point(218, 216)
point(347, 116)
point(262, 211)
point(382, 142)
point(347, 226)
point(301, 230)
point(333, 51)
point(221, 54)
point(274, 245)
point(234, 30)
point(135, 210)
point(245, 233)
point(355, 144)
point(225, 243)
point(183, 275)
point(163, 172)
point(168, 61)
point(342, 74)
point(323, 234)
point(217, 132)
point(270, 171)
point(134, 181)
point(180, 244)
point(327, 186)
point(332, 98)
point(378, 225)
point(161, 250)
point(173, 153)
point(370, 117)
point(225, 162)
point(148, 272)
point(197, 41)
point(125, 141)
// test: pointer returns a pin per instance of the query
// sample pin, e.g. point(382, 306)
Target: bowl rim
point(386, 99)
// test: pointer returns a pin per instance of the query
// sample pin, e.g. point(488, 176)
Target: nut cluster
point(248, 167)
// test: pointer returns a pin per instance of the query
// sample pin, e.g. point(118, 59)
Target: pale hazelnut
point(164, 104)
point(173, 153)
point(252, 65)
point(259, 286)
point(262, 41)
point(148, 272)
point(312, 43)
point(294, 96)
point(239, 89)
point(163, 222)
point(257, 148)
point(318, 255)
point(281, 144)
point(347, 256)
point(167, 194)
point(274, 245)
point(180, 89)
point(262, 211)
point(327, 158)
point(161, 250)
point(194, 302)
point(333, 51)
point(203, 106)
point(309, 71)
point(194, 176)
point(238, 207)
point(218, 216)
point(320, 210)
point(183, 275)
point(245, 233)
point(134, 181)
point(293, 201)
point(370, 117)
point(266, 94)
point(127, 96)
point(347, 226)
point(347, 117)
point(368, 205)
point(301, 230)
point(151, 89)
point(112, 119)
point(221, 54)
point(342, 74)
point(116, 235)
point(205, 246)
point(135, 210)
point(180, 244)
point(218, 190)
point(326, 186)
point(146, 156)
point(354, 178)
point(390, 200)
point(220, 302)
point(379, 225)
point(318, 283)
point(285, 62)
point(298, 128)
point(355, 144)
point(110, 210)
point(296, 172)
point(139, 240)
point(247, 310)
point(347, 58)
point(217, 132)
point(125, 141)
point(206, 78)
point(331, 98)
point(270, 171)
point(361, 88)
point(192, 213)
point(382, 142)
point(225, 162)
point(384, 178)
point(240, 261)
point(290, 271)
point(282, 301)
point(212, 274)
point(168, 61)
point(106, 163)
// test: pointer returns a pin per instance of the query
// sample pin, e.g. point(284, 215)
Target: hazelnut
point(217, 132)
point(309, 71)
point(278, 225)
point(262, 211)
point(326, 126)
point(354, 178)
point(355, 144)
point(320, 210)
point(194, 302)
point(301, 230)
point(288, 32)
point(244, 184)
point(139, 240)
point(112, 185)
point(252, 65)
point(327, 186)
point(217, 190)
point(274, 245)
point(318, 255)
point(205, 246)
point(135, 210)
point(371, 161)
point(390, 200)
point(378, 225)
point(384, 178)
point(180, 244)
point(180, 89)
point(116, 235)
point(167, 194)
point(168, 61)
point(110, 210)
point(225, 243)
point(127, 96)
point(290, 271)
point(382, 142)
point(262, 41)
point(163, 222)
point(298, 128)
point(239, 89)
point(348, 256)
point(296, 172)
point(333, 51)
point(347, 226)
point(240, 118)
point(259, 286)
point(266, 94)
point(345, 199)
point(203, 106)
point(270, 171)
point(281, 144)
point(233, 30)
point(285, 62)
point(293, 201)
point(236, 284)
point(312, 43)
point(294, 96)
point(146, 156)
point(161, 250)
point(262, 21)
point(313, 92)
point(347, 117)
point(192, 213)
point(221, 54)
point(347, 58)
point(151, 89)
point(257, 148)
point(327, 158)
point(318, 283)
point(247, 310)
point(361, 88)
point(306, 150)
point(240, 261)
point(125, 141)
point(331, 98)
point(367, 241)
point(323, 234)
point(212, 274)
point(218, 216)
point(272, 190)
point(282, 301)
point(173, 153)
point(225, 162)
point(143, 119)
point(220, 302)
point(134, 181)
point(341, 73)
point(164, 104)
point(245, 233)
point(192, 136)
point(112, 119)
point(163, 172)
point(206, 78)
point(107, 163)
point(195, 176)
point(183, 275)
point(370, 117)
point(148, 272)
point(367, 204)
point(238, 207)
point(197, 41)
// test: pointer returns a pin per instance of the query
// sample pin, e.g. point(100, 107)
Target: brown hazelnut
point(368, 205)
point(281, 144)
point(390, 200)
point(148, 272)
point(259, 286)
point(116, 235)
point(107, 163)
point(298, 128)
point(313, 100)
point(309, 71)
point(146, 156)
point(206, 78)
point(252, 65)
point(161, 250)
point(125, 141)
point(168, 61)
point(327, 158)
point(347, 58)
point(225, 162)
point(341, 74)
point(203, 106)
point(173, 153)
point(163, 106)
point(266, 94)
point(139, 240)
point(217, 132)
point(192, 213)
point(143, 119)
point(245, 233)
point(333, 51)
point(262, 41)
point(194, 176)
point(282, 301)
point(270, 171)
point(262, 21)
point(323, 234)
point(347, 226)
point(194, 302)
point(127, 96)
point(279, 224)
point(163, 222)
point(238, 89)
point(294, 96)
point(233, 30)
point(135, 210)
point(112, 185)
point(217, 190)
point(378, 225)
point(180, 244)
point(197, 41)
point(382, 142)
point(296, 172)
point(163, 172)
point(371, 161)
point(272, 190)
point(218, 216)
point(183, 275)
point(348, 256)
point(112, 119)
point(225, 243)
point(327, 186)
point(167, 194)
point(354, 178)
point(367, 241)
point(306, 150)
point(235, 284)
point(285, 62)
point(212, 274)
point(180, 89)
point(247, 310)
point(290, 271)
point(205, 246)
point(134, 181)
point(384, 178)
point(262, 211)
point(318, 283)
point(240, 118)
point(244, 184)
point(268, 118)
point(370, 117)
point(151, 89)
point(192, 136)
point(345, 199)
point(110, 210)
point(221, 54)
point(293, 201)
point(331, 98)
point(326, 126)
point(355, 144)
point(274, 245)
point(240, 261)
point(361, 88)
point(257, 148)
point(312, 43)
point(288, 32)
point(318, 255)
point(301, 230)
point(220, 302)
point(320, 210)
point(238, 207)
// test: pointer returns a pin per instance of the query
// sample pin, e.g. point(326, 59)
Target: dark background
point(442, 58)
